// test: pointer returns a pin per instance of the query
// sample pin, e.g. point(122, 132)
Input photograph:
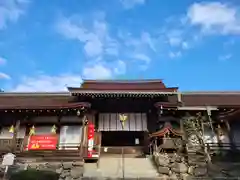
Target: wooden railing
point(7, 144)
point(212, 146)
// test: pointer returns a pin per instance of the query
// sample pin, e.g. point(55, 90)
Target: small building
point(110, 114)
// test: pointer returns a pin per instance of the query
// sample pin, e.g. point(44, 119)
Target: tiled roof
point(37, 102)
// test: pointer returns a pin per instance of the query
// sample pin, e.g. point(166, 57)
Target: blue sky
point(48, 45)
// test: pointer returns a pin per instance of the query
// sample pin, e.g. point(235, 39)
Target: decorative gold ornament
point(11, 129)
point(122, 118)
point(32, 131)
point(54, 129)
point(35, 146)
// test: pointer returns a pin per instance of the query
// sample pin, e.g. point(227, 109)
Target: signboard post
point(8, 160)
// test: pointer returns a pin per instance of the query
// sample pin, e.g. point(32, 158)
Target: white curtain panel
point(70, 136)
point(21, 133)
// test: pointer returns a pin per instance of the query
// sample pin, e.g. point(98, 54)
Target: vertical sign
point(90, 139)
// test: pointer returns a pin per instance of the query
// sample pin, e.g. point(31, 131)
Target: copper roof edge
point(66, 93)
point(122, 81)
point(79, 90)
point(209, 92)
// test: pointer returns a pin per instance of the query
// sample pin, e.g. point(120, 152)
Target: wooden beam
point(196, 108)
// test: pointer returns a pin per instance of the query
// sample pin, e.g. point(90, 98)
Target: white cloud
point(103, 70)
point(175, 41)
point(185, 45)
point(175, 37)
point(119, 67)
point(46, 83)
point(97, 71)
point(97, 44)
point(101, 48)
point(142, 57)
point(128, 4)
point(96, 38)
point(175, 54)
point(4, 76)
point(139, 43)
point(215, 17)
point(225, 57)
point(2, 61)
point(146, 38)
point(11, 10)
point(139, 47)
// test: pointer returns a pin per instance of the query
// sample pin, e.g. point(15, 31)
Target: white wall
point(111, 122)
point(5, 134)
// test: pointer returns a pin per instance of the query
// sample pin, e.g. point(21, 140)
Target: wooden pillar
point(209, 114)
point(230, 136)
point(84, 119)
point(58, 131)
point(182, 129)
point(14, 140)
point(218, 136)
point(184, 140)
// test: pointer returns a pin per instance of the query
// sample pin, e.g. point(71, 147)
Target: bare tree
point(194, 132)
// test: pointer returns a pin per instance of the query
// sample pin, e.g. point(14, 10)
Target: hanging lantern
point(11, 129)
point(122, 118)
point(54, 129)
point(220, 131)
point(161, 110)
point(78, 113)
point(32, 131)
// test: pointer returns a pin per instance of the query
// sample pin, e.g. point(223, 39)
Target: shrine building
point(104, 114)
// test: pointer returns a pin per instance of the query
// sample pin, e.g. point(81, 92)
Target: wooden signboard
point(43, 142)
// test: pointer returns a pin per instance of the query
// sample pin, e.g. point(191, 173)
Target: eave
point(25, 107)
point(119, 94)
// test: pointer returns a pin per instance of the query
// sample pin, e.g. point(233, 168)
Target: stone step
point(110, 167)
point(48, 159)
point(124, 150)
point(134, 178)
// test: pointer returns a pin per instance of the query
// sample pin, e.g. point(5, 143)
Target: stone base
point(66, 170)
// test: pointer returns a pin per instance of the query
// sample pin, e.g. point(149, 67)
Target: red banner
point(43, 142)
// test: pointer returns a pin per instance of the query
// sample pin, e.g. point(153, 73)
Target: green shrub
point(33, 174)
